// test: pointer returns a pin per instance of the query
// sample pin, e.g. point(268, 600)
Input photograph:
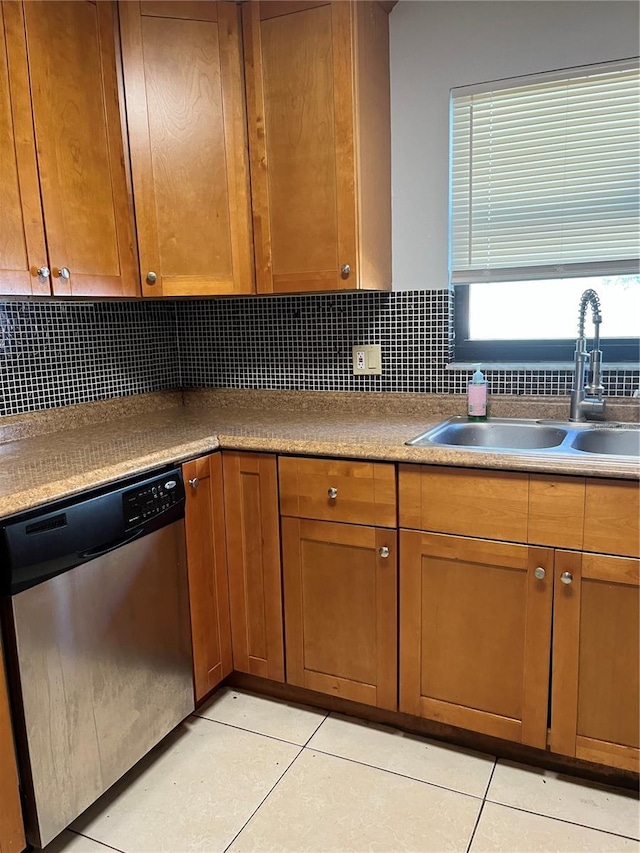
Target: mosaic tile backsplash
point(55, 353)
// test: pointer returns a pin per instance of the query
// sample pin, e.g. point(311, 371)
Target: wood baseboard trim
point(439, 731)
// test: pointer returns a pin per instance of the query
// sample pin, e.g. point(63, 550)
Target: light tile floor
point(248, 773)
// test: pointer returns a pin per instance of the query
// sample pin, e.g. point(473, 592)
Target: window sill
point(465, 366)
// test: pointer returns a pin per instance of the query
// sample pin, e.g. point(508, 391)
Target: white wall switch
point(367, 359)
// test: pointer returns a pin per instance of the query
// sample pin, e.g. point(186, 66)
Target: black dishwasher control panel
point(41, 543)
point(151, 500)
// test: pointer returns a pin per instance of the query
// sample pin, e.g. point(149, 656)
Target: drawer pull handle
point(566, 577)
point(194, 482)
point(333, 493)
point(540, 573)
point(384, 552)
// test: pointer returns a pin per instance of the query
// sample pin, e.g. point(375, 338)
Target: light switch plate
point(367, 359)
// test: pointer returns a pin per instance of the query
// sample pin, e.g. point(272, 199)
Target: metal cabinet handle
point(64, 272)
point(345, 270)
point(539, 573)
point(194, 482)
point(333, 493)
point(43, 272)
point(384, 552)
point(151, 277)
point(566, 577)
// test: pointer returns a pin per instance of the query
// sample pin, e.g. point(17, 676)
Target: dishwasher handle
point(111, 546)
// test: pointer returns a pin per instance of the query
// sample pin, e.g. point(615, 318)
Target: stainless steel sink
point(615, 442)
point(497, 433)
point(512, 435)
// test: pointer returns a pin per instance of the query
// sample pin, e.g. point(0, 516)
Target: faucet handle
point(595, 388)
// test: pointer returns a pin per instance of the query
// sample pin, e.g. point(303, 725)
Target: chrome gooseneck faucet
point(587, 402)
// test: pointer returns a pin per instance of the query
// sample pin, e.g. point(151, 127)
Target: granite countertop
point(52, 455)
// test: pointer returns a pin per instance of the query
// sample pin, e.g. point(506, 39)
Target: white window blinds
point(545, 178)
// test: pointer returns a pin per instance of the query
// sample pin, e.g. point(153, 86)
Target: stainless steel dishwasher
point(96, 624)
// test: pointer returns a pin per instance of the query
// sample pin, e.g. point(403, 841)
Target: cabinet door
point(340, 583)
point(74, 91)
point(22, 246)
point(475, 634)
point(207, 566)
point(596, 660)
point(186, 118)
point(11, 827)
point(253, 551)
point(299, 68)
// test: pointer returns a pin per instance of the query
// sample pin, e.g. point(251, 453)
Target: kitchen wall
point(440, 44)
point(55, 353)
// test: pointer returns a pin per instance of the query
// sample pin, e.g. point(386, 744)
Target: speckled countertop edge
point(119, 440)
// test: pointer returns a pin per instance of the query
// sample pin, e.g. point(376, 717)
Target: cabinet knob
point(384, 552)
point(566, 577)
point(64, 272)
point(345, 270)
point(539, 573)
point(333, 493)
point(194, 482)
point(43, 272)
point(151, 277)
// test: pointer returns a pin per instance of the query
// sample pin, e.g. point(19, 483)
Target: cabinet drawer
point(488, 504)
point(338, 490)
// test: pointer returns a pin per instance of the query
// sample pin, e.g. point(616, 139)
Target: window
point(545, 189)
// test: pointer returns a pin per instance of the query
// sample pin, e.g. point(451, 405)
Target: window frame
point(540, 351)
point(615, 350)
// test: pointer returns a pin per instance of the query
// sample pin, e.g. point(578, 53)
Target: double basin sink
point(505, 435)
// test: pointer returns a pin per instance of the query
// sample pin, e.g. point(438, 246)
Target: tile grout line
point(396, 773)
point(316, 730)
point(493, 770)
point(473, 834)
point(272, 789)
point(254, 732)
point(404, 775)
point(90, 838)
point(264, 799)
point(564, 820)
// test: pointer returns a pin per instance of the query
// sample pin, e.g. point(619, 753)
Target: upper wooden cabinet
point(22, 245)
point(317, 81)
point(63, 159)
point(185, 108)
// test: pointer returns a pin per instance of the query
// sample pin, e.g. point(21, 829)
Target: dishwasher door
point(103, 655)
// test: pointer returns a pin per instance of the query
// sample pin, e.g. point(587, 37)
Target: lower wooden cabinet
point(340, 584)
point(12, 838)
point(596, 660)
point(517, 641)
point(207, 567)
point(475, 634)
point(253, 549)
